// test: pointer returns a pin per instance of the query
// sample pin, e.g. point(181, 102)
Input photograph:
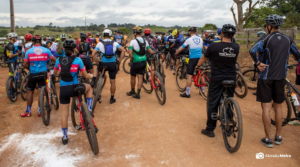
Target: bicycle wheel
point(89, 128)
point(232, 126)
point(286, 112)
point(241, 88)
point(167, 60)
point(203, 91)
point(54, 97)
point(181, 76)
point(160, 90)
point(162, 71)
point(75, 115)
point(97, 96)
point(11, 92)
point(126, 65)
point(251, 77)
point(23, 88)
point(147, 83)
point(238, 67)
point(44, 106)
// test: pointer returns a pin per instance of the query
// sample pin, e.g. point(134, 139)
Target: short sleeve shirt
point(134, 45)
point(195, 45)
point(100, 48)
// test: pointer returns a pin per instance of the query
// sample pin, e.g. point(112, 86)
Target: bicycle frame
point(79, 100)
point(289, 93)
point(151, 76)
point(48, 87)
point(197, 78)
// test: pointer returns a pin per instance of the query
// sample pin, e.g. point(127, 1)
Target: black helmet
point(170, 31)
point(274, 20)
point(194, 29)
point(228, 28)
point(163, 33)
point(211, 35)
point(261, 33)
point(48, 42)
point(69, 43)
point(44, 39)
point(83, 35)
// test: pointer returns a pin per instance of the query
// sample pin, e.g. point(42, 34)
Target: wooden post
point(12, 16)
point(248, 39)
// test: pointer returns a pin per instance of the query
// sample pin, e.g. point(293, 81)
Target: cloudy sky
point(140, 12)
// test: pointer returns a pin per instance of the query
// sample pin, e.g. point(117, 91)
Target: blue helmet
point(219, 31)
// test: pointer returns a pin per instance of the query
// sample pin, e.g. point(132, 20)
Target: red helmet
point(206, 34)
point(147, 31)
point(89, 34)
point(28, 37)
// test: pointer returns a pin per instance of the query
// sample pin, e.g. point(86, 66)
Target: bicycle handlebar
point(292, 66)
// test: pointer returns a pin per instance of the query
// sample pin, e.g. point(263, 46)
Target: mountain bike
point(251, 77)
point(230, 117)
point(241, 88)
point(168, 60)
point(48, 97)
point(153, 80)
point(127, 65)
point(3, 62)
point(82, 119)
point(100, 80)
point(157, 64)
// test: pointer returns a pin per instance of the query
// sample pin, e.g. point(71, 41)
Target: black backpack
point(142, 51)
point(84, 47)
point(66, 63)
point(109, 49)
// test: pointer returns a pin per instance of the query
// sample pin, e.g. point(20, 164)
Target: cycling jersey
point(179, 41)
point(205, 42)
point(171, 40)
point(159, 38)
point(98, 40)
point(275, 49)
point(26, 47)
point(91, 41)
point(10, 47)
point(37, 57)
point(217, 39)
point(134, 45)
point(195, 44)
point(119, 39)
point(75, 67)
point(100, 48)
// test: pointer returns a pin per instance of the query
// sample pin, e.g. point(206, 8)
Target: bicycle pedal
point(78, 127)
point(215, 116)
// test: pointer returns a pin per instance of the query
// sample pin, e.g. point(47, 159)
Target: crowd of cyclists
point(73, 56)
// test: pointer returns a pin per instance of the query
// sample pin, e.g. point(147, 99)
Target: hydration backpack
point(142, 51)
point(60, 48)
point(150, 42)
point(109, 49)
point(66, 63)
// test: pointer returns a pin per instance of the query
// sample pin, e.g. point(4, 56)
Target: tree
point(125, 30)
point(50, 24)
point(239, 20)
point(209, 26)
point(31, 32)
point(258, 16)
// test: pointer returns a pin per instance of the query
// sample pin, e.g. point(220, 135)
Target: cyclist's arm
point(253, 51)
point(122, 50)
point(82, 69)
point(295, 51)
point(26, 62)
point(94, 59)
point(56, 69)
point(201, 61)
point(179, 50)
point(172, 45)
point(130, 48)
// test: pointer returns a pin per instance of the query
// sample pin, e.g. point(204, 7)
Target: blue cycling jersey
point(195, 44)
point(119, 39)
point(179, 41)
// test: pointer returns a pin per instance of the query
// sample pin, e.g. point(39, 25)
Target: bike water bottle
point(295, 99)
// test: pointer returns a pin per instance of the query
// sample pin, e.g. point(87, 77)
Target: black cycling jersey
point(274, 49)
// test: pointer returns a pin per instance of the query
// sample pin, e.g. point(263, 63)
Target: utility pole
point(85, 24)
point(12, 16)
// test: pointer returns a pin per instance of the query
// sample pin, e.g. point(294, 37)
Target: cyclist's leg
point(133, 74)
point(41, 82)
point(278, 99)
point(190, 71)
point(140, 74)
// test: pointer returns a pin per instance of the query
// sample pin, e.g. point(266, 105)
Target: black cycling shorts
point(268, 90)
point(138, 68)
point(88, 63)
point(297, 78)
point(166, 51)
point(34, 79)
point(172, 53)
point(191, 66)
point(66, 92)
point(111, 67)
point(12, 65)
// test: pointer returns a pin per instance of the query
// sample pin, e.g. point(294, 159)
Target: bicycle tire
point(250, 79)
point(125, 64)
point(98, 92)
point(241, 82)
point(162, 71)
point(146, 81)
point(9, 80)
point(179, 76)
point(56, 104)
point(288, 115)
point(206, 80)
point(44, 106)
point(238, 67)
point(160, 87)
point(75, 114)
point(89, 128)
point(23, 88)
point(239, 127)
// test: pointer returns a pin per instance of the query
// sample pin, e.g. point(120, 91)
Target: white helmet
point(12, 35)
point(107, 31)
point(22, 37)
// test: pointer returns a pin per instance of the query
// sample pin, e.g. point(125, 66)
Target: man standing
point(273, 67)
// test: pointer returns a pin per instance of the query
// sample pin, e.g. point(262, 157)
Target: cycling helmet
point(274, 20)
point(163, 33)
point(70, 37)
point(170, 31)
point(175, 32)
point(97, 34)
point(147, 31)
point(63, 36)
point(211, 35)
point(57, 39)
point(228, 28)
point(36, 38)
point(206, 34)
point(48, 42)
point(89, 34)
point(183, 32)
point(44, 39)
point(52, 39)
point(121, 33)
point(28, 37)
point(137, 29)
point(107, 31)
point(194, 29)
point(219, 31)
point(70, 44)
point(12, 35)
point(261, 33)
point(83, 35)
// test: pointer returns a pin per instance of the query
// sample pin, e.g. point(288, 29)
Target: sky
point(140, 12)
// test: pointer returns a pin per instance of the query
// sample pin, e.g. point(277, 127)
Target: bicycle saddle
point(79, 88)
point(228, 83)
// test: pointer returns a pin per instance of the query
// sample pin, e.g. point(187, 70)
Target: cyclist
point(125, 39)
point(218, 39)
point(36, 58)
point(98, 39)
point(108, 50)
point(137, 53)
point(60, 52)
point(209, 40)
point(90, 39)
point(84, 48)
point(273, 67)
point(146, 37)
point(172, 51)
point(223, 56)
point(69, 67)
point(179, 40)
point(28, 44)
point(195, 45)
point(11, 52)
point(162, 47)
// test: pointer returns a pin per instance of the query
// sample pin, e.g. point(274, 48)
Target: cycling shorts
point(111, 67)
point(191, 66)
point(138, 68)
point(34, 79)
point(268, 90)
point(12, 67)
point(297, 78)
point(88, 63)
point(172, 52)
point(66, 92)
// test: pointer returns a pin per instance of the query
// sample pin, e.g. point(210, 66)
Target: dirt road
point(138, 133)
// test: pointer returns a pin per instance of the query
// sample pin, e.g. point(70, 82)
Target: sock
point(94, 78)
point(111, 97)
point(39, 110)
point(89, 103)
point(138, 92)
point(188, 90)
point(65, 132)
point(132, 90)
point(28, 109)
